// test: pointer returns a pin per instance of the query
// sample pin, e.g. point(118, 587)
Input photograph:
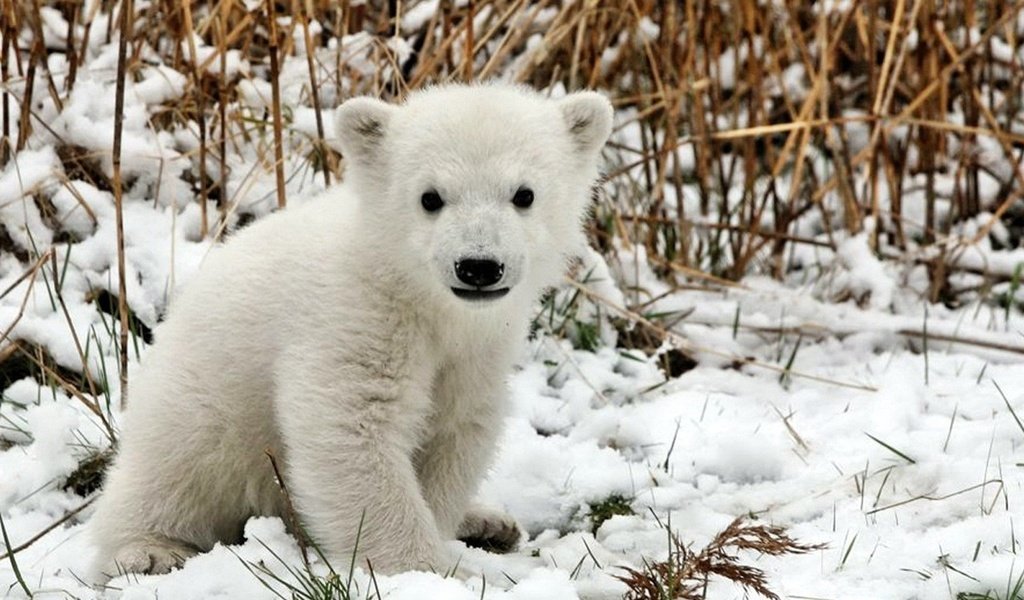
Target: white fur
point(330, 336)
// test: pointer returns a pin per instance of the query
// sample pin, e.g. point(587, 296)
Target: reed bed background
point(902, 119)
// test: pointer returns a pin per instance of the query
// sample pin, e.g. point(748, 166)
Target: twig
point(688, 345)
point(931, 335)
point(934, 498)
point(289, 510)
point(818, 331)
point(67, 517)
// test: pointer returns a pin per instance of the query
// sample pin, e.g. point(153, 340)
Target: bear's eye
point(431, 201)
point(523, 198)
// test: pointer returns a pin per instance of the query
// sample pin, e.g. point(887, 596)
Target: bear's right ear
point(588, 117)
point(360, 125)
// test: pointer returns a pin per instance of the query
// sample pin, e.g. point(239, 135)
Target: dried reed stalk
point(200, 113)
point(314, 89)
point(122, 287)
point(275, 86)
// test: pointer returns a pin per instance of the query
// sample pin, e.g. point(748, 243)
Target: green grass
point(9, 551)
point(616, 504)
point(307, 583)
point(1014, 590)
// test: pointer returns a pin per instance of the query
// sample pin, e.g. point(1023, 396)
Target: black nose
point(479, 272)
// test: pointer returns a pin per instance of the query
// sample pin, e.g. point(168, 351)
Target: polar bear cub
point(362, 339)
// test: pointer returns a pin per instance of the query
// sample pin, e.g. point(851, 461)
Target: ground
point(832, 399)
point(906, 463)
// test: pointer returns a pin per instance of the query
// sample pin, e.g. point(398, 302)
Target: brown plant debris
point(684, 575)
point(89, 475)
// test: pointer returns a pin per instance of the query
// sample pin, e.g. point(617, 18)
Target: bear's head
point(477, 193)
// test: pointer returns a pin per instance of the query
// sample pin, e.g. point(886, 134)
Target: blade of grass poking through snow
point(671, 448)
point(1016, 592)
point(373, 580)
point(306, 584)
point(1011, 295)
point(355, 551)
point(258, 570)
point(891, 449)
point(122, 287)
point(846, 554)
point(11, 559)
point(1008, 406)
point(924, 342)
point(46, 255)
point(784, 378)
point(91, 402)
point(949, 433)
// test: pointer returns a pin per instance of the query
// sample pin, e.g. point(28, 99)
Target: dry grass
point(762, 135)
point(685, 574)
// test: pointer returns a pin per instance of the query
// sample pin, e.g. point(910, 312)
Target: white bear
point(363, 339)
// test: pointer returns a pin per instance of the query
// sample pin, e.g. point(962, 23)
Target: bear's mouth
point(476, 294)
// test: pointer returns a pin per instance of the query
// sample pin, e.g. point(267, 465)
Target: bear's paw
point(151, 558)
point(490, 530)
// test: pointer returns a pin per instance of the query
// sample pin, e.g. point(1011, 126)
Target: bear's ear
point(588, 117)
point(360, 125)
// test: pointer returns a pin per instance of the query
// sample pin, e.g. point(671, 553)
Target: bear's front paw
point(150, 558)
point(490, 530)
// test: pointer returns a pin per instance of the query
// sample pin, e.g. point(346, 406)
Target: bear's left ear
point(360, 125)
point(588, 117)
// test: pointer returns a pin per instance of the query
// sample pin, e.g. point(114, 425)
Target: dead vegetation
point(685, 573)
point(905, 105)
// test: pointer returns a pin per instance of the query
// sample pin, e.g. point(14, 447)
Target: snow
point(159, 84)
point(865, 274)
point(902, 456)
point(414, 18)
point(209, 58)
point(590, 425)
point(25, 174)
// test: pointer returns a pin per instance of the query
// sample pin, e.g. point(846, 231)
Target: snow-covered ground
point(833, 402)
point(910, 470)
